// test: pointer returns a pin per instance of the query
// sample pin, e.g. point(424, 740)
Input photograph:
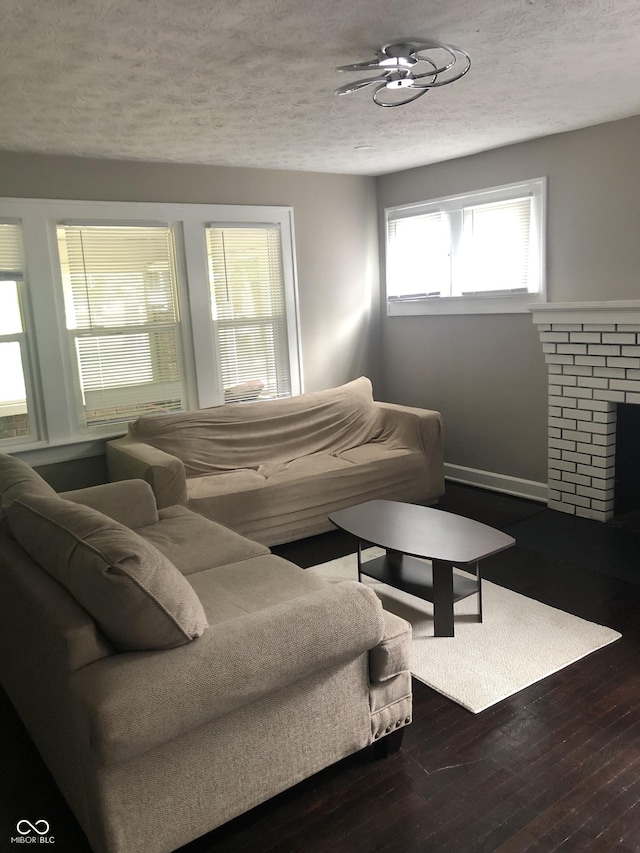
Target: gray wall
point(336, 245)
point(486, 374)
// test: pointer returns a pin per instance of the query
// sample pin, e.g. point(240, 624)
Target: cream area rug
point(519, 642)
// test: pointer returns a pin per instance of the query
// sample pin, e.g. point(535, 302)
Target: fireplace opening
point(627, 483)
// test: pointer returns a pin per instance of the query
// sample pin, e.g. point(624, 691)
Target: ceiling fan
point(412, 67)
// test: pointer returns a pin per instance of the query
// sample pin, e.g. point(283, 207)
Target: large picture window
point(138, 308)
point(479, 252)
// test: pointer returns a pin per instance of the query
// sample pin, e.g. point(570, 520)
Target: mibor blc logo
point(33, 832)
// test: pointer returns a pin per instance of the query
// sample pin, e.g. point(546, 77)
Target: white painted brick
point(544, 327)
point(604, 417)
point(609, 372)
point(604, 349)
point(559, 359)
point(628, 327)
point(555, 390)
point(560, 485)
point(625, 385)
point(596, 494)
point(554, 432)
point(577, 435)
point(549, 348)
point(633, 374)
point(585, 393)
point(592, 382)
point(606, 440)
point(594, 514)
point(597, 474)
point(579, 479)
point(595, 450)
point(565, 379)
point(599, 429)
point(562, 444)
point(607, 485)
point(554, 453)
point(593, 360)
point(624, 362)
point(599, 327)
point(555, 368)
point(554, 495)
point(633, 398)
point(632, 352)
point(578, 458)
point(561, 465)
point(577, 500)
point(578, 414)
point(561, 507)
point(575, 349)
point(596, 405)
point(602, 461)
point(577, 370)
point(562, 423)
point(558, 337)
point(558, 400)
point(604, 506)
point(567, 327)
point(584, 337)
point(618, 338)
point(555, 412)
point(614, 396)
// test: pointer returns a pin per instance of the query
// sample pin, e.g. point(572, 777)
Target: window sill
point(507, 304)
point(42, 453)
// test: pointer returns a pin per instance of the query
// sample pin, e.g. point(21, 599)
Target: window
point(17, 411)
point(121, 309)
point(138, 308)
point(482, 252)
point(249, 311)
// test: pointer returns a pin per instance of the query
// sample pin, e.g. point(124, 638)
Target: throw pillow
point(18, 479)
point(136, 595)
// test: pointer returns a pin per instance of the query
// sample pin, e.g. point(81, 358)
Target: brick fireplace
point(592, 351)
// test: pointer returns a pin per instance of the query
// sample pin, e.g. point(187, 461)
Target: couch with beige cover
point(274, 470)
point(173, 673)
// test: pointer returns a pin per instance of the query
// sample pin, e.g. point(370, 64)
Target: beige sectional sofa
point(173, 673)
point(274, 470)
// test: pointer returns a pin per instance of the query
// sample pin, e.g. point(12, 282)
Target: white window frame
point(61, 438)
point(493, 302)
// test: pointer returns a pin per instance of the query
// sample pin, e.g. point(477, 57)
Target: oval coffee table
point(411, 534)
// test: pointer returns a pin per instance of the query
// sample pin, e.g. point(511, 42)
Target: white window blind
point(494, 248)
point(248, 309)
point(418, 255)
point(467, 252)
point(122, 316)
point(17, 421)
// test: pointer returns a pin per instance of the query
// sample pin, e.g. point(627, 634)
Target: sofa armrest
point(134, 702)
point(127, 460)
point(421, 430)
point(130, 502)
point(392, 655)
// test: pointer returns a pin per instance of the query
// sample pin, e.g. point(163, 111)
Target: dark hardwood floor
point(555, 767)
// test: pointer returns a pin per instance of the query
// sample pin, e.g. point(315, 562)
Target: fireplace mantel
point(592, 350)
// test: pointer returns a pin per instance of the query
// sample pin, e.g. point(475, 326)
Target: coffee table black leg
point(442, 598)
point(359, 560)
point(479, 581)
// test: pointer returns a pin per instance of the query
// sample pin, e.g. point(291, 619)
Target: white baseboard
point(529, 489)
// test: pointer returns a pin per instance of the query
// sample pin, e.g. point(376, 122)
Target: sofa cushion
point(194, 543)
point(18, 479)
point(136, 595)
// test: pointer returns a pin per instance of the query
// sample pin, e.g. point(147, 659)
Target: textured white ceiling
point(250, 82)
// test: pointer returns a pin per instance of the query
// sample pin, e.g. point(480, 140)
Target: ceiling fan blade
point(360, 66)
point(360, 84)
